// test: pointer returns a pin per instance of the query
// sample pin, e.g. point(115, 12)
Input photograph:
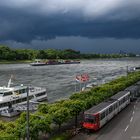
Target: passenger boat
point(53, 62)
point(11, 96)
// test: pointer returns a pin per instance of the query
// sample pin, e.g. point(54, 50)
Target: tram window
point(102, 115)
point(116, 105)
point(110, 109)
point(123, 100)
point(106, 112)
point(120, 102)
point(90, 118)
point(128, 97)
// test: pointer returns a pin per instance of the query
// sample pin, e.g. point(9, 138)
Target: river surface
point(59, 80)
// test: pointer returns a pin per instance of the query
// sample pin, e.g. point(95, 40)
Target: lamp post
point(127, 70)
point(27, 115)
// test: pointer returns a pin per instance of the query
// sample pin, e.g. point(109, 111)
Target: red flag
point(85, 77)
point(82, 78)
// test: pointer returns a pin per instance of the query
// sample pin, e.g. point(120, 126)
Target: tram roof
point(98, 108)
point(138, 83)
point(106, 103)
point(119, 94)
point(132, 88)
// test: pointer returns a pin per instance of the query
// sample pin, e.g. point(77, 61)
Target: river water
point(59, 80)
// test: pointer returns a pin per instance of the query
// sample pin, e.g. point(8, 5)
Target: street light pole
point(27, 114)
point(126, 70)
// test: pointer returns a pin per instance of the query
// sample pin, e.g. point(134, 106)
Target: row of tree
point(42, 122)
point(7, 53)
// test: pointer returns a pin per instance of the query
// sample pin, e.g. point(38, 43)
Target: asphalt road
point(124, 126)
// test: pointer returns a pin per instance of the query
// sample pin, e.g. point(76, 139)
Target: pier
point(18, 108)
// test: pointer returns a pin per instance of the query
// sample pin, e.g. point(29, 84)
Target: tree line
point(7, 53)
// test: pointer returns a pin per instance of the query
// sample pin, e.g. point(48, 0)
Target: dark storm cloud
point(25, 21)
point(24, 27)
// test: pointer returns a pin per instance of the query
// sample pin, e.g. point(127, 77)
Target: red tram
point(99, 115)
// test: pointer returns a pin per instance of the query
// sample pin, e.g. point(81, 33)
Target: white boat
point(11, 96)
point(89, 86)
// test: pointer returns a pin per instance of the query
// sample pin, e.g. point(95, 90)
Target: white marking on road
point(134, 106)
point(126, 128)
point(131, 119)
point(133, 112)
point(135, 137)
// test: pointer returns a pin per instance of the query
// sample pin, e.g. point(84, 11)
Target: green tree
point(60, 116)
point(75, 107)
point(39, 124)
point(43, 108)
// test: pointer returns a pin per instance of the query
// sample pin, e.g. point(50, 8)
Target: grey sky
point(91, 25)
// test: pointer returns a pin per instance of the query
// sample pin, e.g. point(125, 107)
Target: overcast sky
point(102, 26)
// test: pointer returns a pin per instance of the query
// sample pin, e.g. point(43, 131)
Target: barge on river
point(53, 62)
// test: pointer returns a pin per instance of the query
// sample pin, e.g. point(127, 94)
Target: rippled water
point(59, 80)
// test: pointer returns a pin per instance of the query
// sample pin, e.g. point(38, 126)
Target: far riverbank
point(29, 61)
point(15, 62)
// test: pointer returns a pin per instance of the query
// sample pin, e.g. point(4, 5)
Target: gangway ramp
point(23, 107)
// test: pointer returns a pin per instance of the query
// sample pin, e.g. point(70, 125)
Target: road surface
point(124, 126)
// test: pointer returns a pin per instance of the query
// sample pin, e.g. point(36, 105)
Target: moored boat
point(11, 96)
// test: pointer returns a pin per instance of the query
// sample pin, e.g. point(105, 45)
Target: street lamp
point(127, 70)
point(27, 115)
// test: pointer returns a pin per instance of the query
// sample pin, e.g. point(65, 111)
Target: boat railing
point(34, 89)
